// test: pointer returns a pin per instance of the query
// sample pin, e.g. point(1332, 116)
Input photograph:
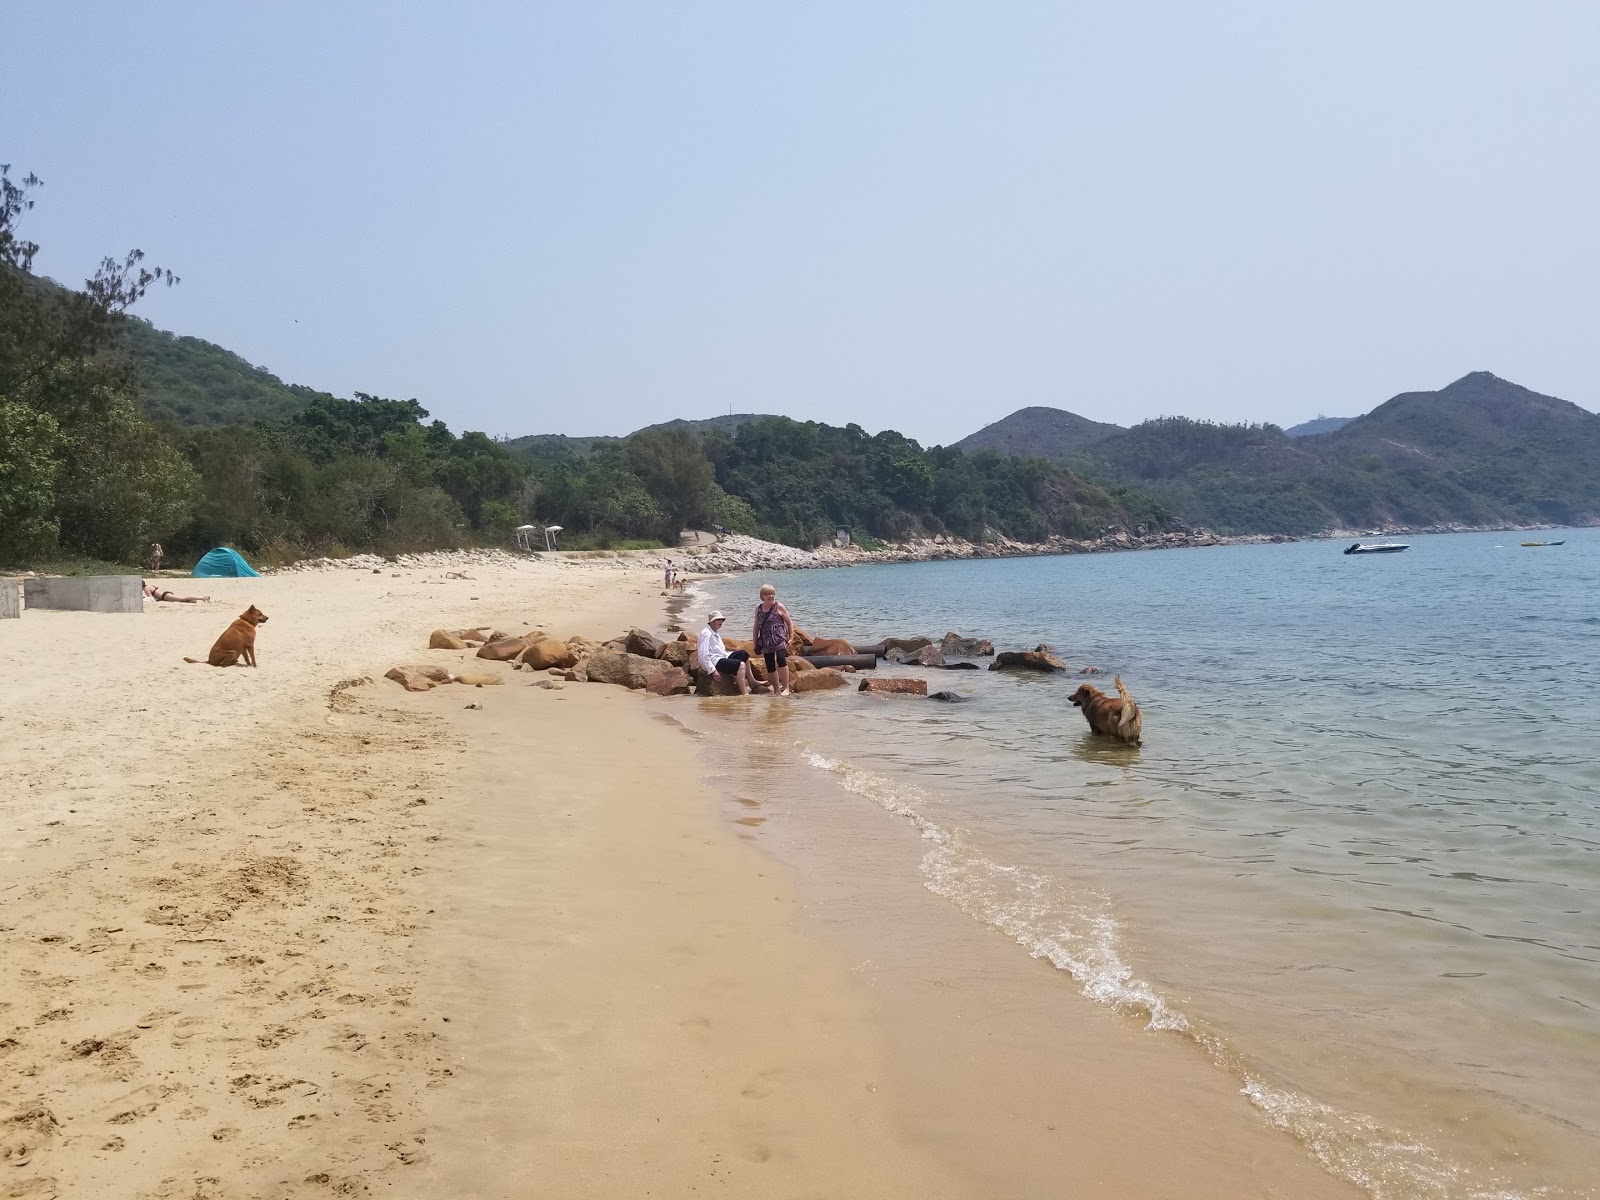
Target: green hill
point(1480, 451)
point(1318, 425)
point(187, 381)
point(1051, 433)
point(559, 445)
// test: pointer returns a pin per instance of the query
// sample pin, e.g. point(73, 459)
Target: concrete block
point(86, 593)
point(10, 598)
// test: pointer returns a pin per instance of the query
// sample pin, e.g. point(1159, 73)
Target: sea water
point(1357, 857)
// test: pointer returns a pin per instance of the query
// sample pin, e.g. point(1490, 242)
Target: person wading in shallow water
point(772, 638)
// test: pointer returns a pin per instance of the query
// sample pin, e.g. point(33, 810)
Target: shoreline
point(290, 930)
point(738, 552)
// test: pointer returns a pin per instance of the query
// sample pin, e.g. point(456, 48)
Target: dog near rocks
point(237, 645)
point(1111, 716)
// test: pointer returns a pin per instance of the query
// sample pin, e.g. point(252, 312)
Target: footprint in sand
point(37, 1188)
point(154, 1017)
point(186, 1029)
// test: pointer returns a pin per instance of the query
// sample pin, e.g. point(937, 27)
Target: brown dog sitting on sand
point(1113, 716)
point(237, 645)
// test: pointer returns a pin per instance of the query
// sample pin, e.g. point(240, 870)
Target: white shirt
point(710, 649)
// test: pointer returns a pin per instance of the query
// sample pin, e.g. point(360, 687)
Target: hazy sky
point(587, 217)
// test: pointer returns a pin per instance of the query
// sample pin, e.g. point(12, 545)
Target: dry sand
point(279, 932)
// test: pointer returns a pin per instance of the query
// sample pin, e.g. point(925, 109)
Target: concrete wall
point(10, 598)
point(86, 593)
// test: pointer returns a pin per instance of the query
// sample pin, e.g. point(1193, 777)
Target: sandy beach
point(296, 932)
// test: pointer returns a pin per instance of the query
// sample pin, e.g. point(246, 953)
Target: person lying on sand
point(714, 655)
point(161, 593)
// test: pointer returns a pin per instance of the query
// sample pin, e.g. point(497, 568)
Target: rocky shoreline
point(738, 552)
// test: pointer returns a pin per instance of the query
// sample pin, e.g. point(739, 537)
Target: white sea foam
point(1385, 1163)
point(1074, 930)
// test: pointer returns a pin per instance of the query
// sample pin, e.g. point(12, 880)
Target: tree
point(28, 470)
point(675, 472)
point(117, 484)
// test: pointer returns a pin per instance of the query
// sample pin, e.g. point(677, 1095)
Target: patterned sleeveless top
point(772, 630)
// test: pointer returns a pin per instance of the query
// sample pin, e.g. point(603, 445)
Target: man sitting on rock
point(714, 655)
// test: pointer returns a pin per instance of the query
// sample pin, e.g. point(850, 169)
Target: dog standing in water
point(1113, 716)
point(237, 645)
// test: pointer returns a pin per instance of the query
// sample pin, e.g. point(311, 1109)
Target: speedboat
point(1562, 542)
point(1376, 547)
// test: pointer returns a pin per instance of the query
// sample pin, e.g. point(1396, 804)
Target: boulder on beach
point(577, 673)
point(480, 679)
point(819, 680)
point(1027, 660)
point(679, 654)
point(547, 653)
point(904, 645)
point(798, 665)
point(894, 687)
point(624, 669)
point(823, 645)
point(673, 681)
point(928, 656)
point(409, 678)
point(503, 649)
point(956, 646)
point(712, 684)
point(643, 643)
point(443, 639)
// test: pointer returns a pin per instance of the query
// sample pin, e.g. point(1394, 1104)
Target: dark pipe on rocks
point(861, 662)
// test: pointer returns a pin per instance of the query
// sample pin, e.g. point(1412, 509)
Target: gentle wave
point(1074, 930)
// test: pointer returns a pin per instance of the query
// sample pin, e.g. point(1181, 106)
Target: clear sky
point(587, 217)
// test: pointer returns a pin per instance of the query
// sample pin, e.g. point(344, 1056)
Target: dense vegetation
point(187, 381)
point(798, 482)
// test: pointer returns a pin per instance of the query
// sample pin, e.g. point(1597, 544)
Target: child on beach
point(772, 630)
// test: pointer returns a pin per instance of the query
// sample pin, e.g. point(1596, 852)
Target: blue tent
point(223, 562)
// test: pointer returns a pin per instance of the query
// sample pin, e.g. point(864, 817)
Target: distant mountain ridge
point(1479, 451)
point(1038, 432)
point(1318, 425)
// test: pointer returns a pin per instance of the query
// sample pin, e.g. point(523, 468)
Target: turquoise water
point(1357, 857)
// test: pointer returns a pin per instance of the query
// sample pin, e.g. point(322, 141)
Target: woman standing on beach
point(772, 638)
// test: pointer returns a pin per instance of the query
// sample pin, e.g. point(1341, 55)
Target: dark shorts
point(776, 659)
point(730, 666)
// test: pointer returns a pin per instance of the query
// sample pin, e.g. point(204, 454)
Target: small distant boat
point(1377, 547)
point(1562, 542)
